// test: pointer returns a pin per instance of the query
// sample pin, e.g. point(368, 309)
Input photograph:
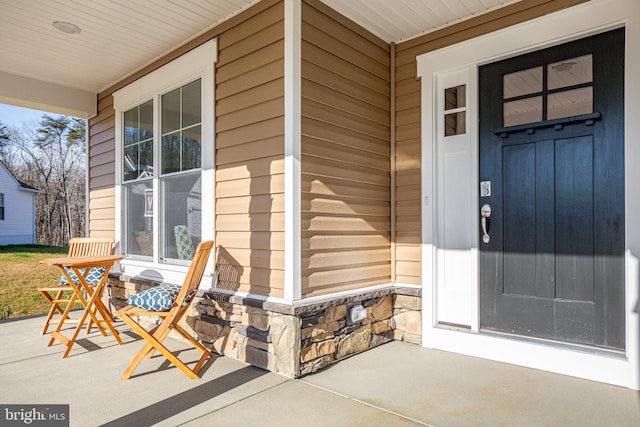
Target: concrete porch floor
point(396, 384)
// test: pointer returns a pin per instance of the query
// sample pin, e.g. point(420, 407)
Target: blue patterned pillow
point(158, 298)
point(93, 278)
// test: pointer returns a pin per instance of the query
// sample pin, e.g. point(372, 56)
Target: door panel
point(574, 219)
point(554, 265)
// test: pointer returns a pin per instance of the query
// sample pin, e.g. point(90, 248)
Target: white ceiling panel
point(119, 37)
point(116, 38)
point(399, 20)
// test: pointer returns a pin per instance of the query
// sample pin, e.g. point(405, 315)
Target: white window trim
point(197, 63)
point(570, 24)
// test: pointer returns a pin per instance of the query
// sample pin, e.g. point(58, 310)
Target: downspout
point(392, 167)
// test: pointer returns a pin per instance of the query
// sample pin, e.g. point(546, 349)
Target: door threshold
point(583, 348)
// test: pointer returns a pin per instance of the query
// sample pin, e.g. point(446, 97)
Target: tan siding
point(251, 167)
point(346, 210)
point(408, 130)
point(249, 132)
point(104, 147)
point(327, 186)
point(253, 186)
point(102, 170)
point(103, 214)
point(104, 198)
point(250, 153)
point(344, 241)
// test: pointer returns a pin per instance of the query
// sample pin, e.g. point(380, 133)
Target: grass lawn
point(20, 276)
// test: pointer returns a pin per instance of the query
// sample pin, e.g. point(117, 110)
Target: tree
point(4, 140)
point(4, 135)
point(52, 160)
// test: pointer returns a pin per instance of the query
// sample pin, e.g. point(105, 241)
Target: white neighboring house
point(17, 210)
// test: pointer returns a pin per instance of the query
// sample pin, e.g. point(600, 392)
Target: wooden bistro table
point(93, 306)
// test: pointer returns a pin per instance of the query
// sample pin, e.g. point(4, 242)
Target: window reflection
point(455, 124)
point(523, 111)
point(182, 216)
point(568, 91)
point(570, 103)
point(455, 97)
point(455, 114)
point(138, 142)
point(570, 72)
point(522, 83)
point(138, 212)
point(181, 129)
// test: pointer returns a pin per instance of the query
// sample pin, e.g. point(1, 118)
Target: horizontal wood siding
point(101, 158)
point(346, 211)
point(249, 154)
point(408, 129)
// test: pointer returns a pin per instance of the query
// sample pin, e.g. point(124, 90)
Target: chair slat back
point(90, 246)
point(196, 271)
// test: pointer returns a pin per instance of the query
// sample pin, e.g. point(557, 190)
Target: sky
point(12, 116)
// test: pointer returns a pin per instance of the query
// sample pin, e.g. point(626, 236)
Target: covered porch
point(392, 385)
point(321, 183)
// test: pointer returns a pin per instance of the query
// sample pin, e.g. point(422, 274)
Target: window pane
point(191, 104)
point(522, 83)
point(455, 124)
point(570, 72)
point(131, 130)
point(191, 148)
point(454, 97)
point(138, 142)
point(146, 159)
point(138, 219)
point(182, 216)
point(146, 121)
point(171, 111)
point(523, 111)
point(131, 162)
point(570, 103)
point(138, 161)
point(171, 153)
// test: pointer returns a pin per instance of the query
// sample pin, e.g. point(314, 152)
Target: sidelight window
point(455, 111)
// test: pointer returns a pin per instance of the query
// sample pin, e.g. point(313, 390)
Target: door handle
point(485, 212)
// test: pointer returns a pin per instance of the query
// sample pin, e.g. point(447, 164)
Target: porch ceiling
point(118, 37)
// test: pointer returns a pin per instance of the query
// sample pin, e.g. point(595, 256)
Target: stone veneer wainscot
point(293, 340)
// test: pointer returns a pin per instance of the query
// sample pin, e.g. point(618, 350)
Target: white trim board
point(570, 24)
point(292, 149)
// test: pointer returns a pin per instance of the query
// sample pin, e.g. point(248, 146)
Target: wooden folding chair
point(59, 296)
point(169, 319)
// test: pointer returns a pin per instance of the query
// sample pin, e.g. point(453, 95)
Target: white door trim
point(570, 24)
